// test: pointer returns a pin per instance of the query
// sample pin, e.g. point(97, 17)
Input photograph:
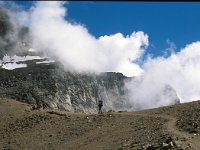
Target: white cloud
point(171, 49)
point(77, 49)
point(181, 71)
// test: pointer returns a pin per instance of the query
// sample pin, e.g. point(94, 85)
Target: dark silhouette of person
point(100, 106)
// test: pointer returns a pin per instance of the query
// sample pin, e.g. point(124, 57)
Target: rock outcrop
point(50, 86)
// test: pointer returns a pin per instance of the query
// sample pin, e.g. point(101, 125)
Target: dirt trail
point(193, 141)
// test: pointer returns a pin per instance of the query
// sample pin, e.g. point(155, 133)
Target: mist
point(158, 81)
point(180, 71)
point(13, 34)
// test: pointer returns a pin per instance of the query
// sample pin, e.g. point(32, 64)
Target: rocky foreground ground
point(173, 127)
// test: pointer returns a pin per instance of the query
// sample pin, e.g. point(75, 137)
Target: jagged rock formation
point(51, 86)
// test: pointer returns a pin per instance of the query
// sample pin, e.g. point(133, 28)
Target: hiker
point(34, 106)
point(100, 106)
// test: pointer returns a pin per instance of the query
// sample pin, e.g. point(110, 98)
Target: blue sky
point(178, 22)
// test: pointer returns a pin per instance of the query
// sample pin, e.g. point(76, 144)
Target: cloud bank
point(181, 71)
point(77, 49)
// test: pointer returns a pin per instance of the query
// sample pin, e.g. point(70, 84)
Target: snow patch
point(45, 62)
point(10, 62)
point(15, 58)
point(12, 66)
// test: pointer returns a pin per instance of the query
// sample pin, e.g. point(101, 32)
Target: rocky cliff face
point(51, 86)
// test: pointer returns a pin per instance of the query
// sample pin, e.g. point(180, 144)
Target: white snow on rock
point(15, 58)
point(46, 62)
point(12, 66)
point(10, 62)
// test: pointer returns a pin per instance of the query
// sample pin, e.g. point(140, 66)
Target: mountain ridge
point(51, 86)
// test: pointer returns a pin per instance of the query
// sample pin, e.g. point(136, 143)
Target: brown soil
point(23, 128)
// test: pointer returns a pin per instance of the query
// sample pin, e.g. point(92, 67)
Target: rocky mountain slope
point(46, 83)
point(49, 85)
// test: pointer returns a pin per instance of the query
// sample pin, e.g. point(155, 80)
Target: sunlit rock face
point(46, 83)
